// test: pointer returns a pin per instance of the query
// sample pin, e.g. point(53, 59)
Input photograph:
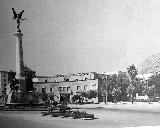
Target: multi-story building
point(71, 86)
point(3, 81)
point(144, 76)
point(11, 76)
point(29, 73)
point(47, 79)
point(7, 77)
point(115, 73)
point(63, 78)
point(59, 78)
point(42, 79)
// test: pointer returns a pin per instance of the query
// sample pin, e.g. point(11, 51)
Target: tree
point(117, 85)
point(102, 88)
point(51, 96)
point(152, 87)
point(132, 71)
point(123, 83)
point(84, 94)
point(140, 86)
point(92, 94)
point(44, 96)
point(89, 94)
point(155, 80)
point(150, 92)
point(111, 87)
point(75, 98)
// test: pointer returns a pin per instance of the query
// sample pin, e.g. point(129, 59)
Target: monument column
point(19, 62)
point(19, 56)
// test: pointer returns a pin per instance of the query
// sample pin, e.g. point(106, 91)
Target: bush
point(75, 98)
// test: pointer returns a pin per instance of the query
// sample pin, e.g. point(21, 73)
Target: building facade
point(64, 78)
point(7, 77)
point(71, 84)
point(72, 88)
point(3, 81)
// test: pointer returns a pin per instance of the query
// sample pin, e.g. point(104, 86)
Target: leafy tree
point(111, 86)
point(132, 71)
point(123, 83)
point(155, 81)
point(140, 87)
point(150, 92)
point(65, 97)
point(84, 94)
point(75, 98)
point(137, 87)
point(116, 87)
point(44, 96)
point(51, 96)
point(92, 94)
point(102, 88)
point(89, 95)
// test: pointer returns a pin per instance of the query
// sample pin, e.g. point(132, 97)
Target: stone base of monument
point(19, 97)
point(23, 101)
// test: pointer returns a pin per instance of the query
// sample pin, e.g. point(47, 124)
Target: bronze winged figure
point(18, 17)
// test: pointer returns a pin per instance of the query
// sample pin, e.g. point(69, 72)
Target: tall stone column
point(19, 62)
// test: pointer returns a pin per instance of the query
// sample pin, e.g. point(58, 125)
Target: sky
point(71, 36)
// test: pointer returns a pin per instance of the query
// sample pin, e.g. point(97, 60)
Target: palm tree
point(132, 71)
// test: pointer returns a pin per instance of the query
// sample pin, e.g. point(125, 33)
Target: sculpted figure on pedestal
point(18, 17)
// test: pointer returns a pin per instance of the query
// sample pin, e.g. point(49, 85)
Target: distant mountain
point(150, 65)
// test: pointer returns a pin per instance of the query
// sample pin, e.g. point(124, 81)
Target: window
point(67, 79)
point(94, 86)
point(85, 87)
point(45, 80)
point(43, 89)
point(60, 89)
point(4, 84)
point(64, 88)
point(4, 79)
point(68, 88)
point(78, 87)
point(4, 75)
point(50, 89)
point(35, 89)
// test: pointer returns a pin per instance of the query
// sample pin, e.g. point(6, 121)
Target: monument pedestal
point(22, 85)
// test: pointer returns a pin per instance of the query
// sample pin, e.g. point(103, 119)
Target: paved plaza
point(108, 116)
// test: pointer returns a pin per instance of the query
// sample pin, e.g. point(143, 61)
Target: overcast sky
point(71, 36)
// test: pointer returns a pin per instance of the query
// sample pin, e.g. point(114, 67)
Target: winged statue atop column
point(18, 17)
